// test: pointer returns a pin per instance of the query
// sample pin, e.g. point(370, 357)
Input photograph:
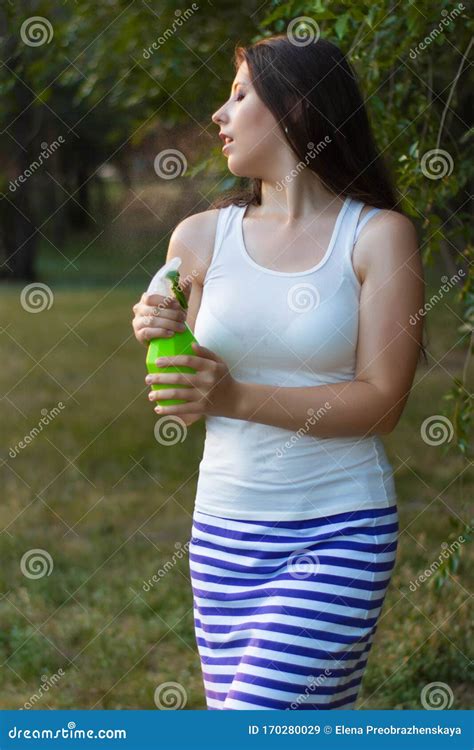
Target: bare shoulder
point(387, 241)
point(193, 241)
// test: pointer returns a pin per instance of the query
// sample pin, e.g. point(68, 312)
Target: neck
point(295, 198)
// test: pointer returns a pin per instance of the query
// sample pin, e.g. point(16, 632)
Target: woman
point(305, 288)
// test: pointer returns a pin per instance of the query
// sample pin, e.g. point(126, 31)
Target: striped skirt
point(285, 611)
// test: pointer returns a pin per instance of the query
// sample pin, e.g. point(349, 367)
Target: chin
point(240, 169)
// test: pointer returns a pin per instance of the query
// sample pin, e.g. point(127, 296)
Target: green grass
point(109, 503)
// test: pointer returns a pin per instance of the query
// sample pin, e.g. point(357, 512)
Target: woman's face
point(256, 134)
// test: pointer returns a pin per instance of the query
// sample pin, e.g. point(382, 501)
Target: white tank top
point(288, 329)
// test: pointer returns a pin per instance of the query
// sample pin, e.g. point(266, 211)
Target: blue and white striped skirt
point(285, 611)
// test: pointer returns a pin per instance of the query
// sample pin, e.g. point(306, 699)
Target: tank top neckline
point(324, 259)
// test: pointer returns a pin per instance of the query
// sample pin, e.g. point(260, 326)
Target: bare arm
point(387, 349)
point(193, 241)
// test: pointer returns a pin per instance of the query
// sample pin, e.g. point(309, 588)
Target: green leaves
point(341, 25)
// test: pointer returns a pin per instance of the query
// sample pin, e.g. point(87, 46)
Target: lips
point(226, 138)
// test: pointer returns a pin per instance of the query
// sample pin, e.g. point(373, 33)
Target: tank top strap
point(347, 232)
point(364, 221)
point(223, 218)
point(222, 227)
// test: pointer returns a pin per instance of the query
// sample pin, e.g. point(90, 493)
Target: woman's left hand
point(213, 391)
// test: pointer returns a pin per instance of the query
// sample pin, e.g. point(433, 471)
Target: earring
point(286, 129)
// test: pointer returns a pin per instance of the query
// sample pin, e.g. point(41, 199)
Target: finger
point(158, 300)
point(184, 360)
point(155, 333)
point(175, 377)
point(159, 324)
point(179, 409)
point(202, 351)
point(157, 312)
point(189, 419)
point(162, 394)
point(192, 417)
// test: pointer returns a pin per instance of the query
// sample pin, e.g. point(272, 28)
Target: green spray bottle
point(166, 282)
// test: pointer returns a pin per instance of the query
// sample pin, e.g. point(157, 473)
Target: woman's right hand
point(157, 316)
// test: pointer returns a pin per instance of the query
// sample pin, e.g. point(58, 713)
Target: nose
point(219, 115)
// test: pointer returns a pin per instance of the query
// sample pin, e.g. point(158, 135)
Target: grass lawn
point(111, 506)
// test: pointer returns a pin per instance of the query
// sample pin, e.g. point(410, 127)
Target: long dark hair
point(313, 93)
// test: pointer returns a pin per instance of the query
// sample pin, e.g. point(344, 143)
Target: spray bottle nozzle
point(177, 291)
point(164, 280)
